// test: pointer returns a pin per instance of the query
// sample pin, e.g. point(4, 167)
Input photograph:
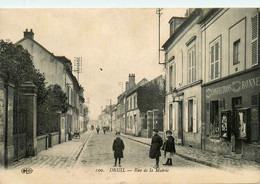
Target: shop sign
point(234, 87)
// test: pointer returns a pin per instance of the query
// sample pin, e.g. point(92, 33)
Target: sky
point(120, 41)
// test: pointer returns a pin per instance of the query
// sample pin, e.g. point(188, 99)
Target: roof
point(144, 80)
point(36, 43)
point(135, 89)
point(177, 18)
point(208, 15)
point(61, 59)
point(185, 24)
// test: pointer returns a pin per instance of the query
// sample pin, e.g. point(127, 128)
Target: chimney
point(131, 81)
point(175, 22)
point(28, 34)
point(126, 86)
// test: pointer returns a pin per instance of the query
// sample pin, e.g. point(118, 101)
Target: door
point(19, 127)
point(236, 142)
point(180, 121)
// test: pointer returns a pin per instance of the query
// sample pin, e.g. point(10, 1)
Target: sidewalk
point(60, 156)
point(205, 157)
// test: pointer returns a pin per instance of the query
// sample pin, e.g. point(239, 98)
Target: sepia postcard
point(129, 94)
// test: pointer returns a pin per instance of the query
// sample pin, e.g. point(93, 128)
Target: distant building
point(106, 117)
point(134, 103)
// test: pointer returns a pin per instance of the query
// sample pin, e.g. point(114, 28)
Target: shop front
point(231, 115)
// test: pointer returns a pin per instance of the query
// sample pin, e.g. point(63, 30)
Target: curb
point(181, 155)
point(83, 145)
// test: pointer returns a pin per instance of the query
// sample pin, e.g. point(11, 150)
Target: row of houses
point(213, 81)
point(21, 129)
point(139, 108)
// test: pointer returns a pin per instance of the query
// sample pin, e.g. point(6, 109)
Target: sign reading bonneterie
point(234, 87)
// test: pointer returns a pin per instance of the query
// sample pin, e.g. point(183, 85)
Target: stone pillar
point(9, 122)
point(28, 91)
point(155, 119)
point(149, 123)
point(2, 123)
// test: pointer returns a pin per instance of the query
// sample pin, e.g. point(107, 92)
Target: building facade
point(231, 82)
point(212, 102)
point(183, 79)
point(134, 104)
point(57, 70)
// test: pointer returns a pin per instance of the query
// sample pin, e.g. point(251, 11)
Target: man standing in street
point(156, 144)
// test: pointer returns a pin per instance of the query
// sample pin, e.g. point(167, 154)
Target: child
point(118, 147)
point(155, 149)
point(169, 147)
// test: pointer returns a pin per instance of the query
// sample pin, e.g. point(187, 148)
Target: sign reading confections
point(234, 87)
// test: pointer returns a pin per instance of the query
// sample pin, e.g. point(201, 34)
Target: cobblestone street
point(90, 159)
point(61, 156)
point(98, 154)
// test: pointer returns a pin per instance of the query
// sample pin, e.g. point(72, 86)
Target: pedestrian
point(97, 129)
point(169, 147)
point(156, 145)
point(118, 147)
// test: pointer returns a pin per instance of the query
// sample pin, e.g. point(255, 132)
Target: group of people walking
point(104, 129)
point(168, 146)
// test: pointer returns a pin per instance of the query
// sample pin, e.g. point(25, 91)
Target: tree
point(17, 64)
point(56, 99)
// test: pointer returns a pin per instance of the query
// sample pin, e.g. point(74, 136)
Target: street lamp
point(174, 95)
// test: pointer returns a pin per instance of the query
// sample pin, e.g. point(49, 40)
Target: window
point(254, 42)
point(170, 78)
point(134, 102)
point(131, 122)
point(236, 51)
point(214, 118)
point(215, 59)
point(131, 103)
point(190, 116)
point(170, 117)
point(191, 65)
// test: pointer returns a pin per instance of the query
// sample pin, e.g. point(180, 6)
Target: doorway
point(180, 121)
point(236, 142)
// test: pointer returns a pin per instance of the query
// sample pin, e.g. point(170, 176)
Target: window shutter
point(186, 116)
point(254, 43)
point(195, 129)
point(173, 118)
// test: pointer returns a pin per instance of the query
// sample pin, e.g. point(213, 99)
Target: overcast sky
point(120, 41)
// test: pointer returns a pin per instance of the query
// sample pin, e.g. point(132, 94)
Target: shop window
point(214, 118)
point(254, 100)
point(226, 124)
point(191, 65)
point(215, 59)
point(254, 119)
point(190, 116)
point(236, 46)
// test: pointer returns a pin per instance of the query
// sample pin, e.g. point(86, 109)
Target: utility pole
point(111, 114)
point(121, 84)
point(159, 12)
point(78, 65)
